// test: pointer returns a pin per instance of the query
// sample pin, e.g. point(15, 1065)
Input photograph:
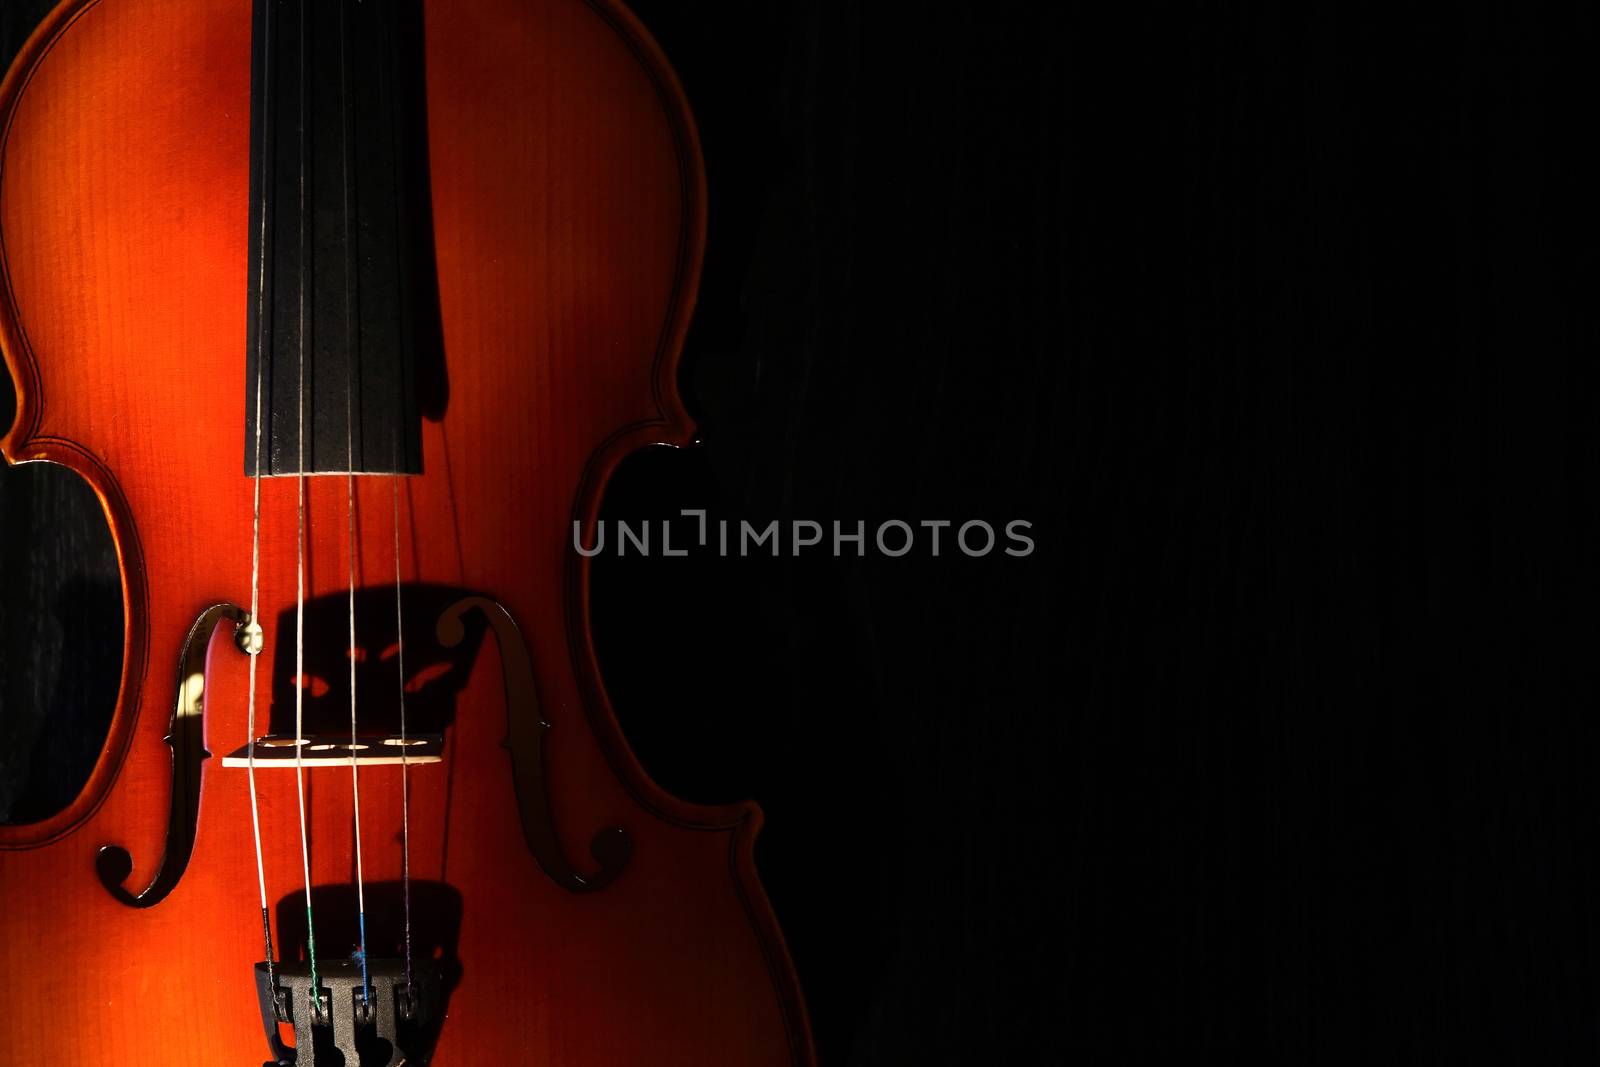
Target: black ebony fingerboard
point(340, 248)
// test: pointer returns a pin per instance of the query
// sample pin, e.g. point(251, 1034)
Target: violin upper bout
point(124, 140)
point(121, 274)
point(569, 210)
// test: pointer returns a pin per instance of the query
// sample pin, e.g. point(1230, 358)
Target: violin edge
point(673, 427)
point(23, 443)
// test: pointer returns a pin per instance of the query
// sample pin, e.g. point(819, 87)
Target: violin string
point(385, 93)
point(253, 624)
point(355, 778)
point(352, 354)
point(405, 748)
point(299, 693)
point(300, 552)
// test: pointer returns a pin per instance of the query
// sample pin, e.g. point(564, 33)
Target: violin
point(347, 310)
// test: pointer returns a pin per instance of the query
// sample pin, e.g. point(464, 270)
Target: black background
point(1276, 322)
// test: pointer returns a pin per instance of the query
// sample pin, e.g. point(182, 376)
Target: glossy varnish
point(567, 200)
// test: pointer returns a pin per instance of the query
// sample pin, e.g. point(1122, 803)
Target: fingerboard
point(341, 256)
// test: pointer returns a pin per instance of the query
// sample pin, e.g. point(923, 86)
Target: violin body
point(568, 216)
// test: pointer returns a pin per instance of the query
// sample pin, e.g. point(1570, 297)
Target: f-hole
point(186, 737)
point(526, 725)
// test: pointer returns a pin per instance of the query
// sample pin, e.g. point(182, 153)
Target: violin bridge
point(335, 751)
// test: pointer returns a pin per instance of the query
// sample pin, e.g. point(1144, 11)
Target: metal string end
point(247, 635)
